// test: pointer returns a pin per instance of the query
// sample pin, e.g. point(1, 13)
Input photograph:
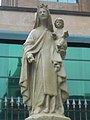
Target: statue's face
point(59, 24)
point(43, 14)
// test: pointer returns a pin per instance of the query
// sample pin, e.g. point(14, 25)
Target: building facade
point(16, 21)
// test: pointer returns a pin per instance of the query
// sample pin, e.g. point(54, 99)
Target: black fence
point(14, 109)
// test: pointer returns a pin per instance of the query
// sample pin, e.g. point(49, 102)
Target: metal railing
point(14, 109)
point(78, 109)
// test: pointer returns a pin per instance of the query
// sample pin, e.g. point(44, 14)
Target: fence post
point(5, 104)
point(74, 104)
point(12, 103)
point(85, 103)
point(68, 104)
point(18, 104)
point(79, 103)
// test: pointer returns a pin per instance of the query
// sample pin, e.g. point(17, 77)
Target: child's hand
point(58, 48)
point(54, 36)
point(66, 34)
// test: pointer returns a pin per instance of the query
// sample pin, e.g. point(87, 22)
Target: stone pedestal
point(47, 117)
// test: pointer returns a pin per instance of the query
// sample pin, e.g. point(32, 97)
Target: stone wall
point(24, 21)
point(82, 5)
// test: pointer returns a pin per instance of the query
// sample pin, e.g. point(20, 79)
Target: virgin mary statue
point(43, 78)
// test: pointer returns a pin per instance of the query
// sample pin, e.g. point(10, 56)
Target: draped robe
point(40, 78)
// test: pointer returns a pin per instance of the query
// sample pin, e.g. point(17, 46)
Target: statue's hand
point(30, 58)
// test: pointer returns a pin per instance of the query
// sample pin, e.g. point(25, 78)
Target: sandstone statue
point(43, 78)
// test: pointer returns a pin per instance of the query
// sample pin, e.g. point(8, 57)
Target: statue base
point(47, 117)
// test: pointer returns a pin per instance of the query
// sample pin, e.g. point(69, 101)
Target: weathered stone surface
point(47, 117)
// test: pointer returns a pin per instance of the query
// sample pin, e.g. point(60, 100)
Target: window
point(10, 63)
point(78, 75)
point(67, 1)
point(76, 66)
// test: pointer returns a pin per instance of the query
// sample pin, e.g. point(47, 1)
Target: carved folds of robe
point(40, 78)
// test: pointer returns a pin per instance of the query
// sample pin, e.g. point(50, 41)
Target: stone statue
point(43, 78)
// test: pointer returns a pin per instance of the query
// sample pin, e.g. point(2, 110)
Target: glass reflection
point(10, 67)
point(78, 75)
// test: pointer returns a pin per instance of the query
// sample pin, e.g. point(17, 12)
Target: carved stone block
point(47, 117)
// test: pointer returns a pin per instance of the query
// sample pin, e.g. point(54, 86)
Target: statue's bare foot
point(37, 110)
point(46, 110)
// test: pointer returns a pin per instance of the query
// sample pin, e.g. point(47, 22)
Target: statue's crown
point(43, 6)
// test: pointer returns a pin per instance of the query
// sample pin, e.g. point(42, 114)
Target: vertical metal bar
point(5, 104)
point(25, 109)
point(12, 102)
point(1, 104)
point(74, 104)
point(79, 103)
point(18, 113)
point(68, 104)
point(18, 103)
point(85, 103)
